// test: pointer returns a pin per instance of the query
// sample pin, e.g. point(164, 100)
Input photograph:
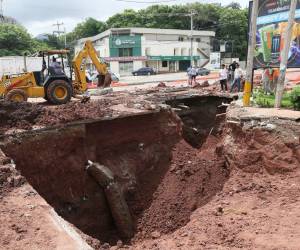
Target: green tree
point(14, 40)
point(230, 22)
point(54, 42)
point(233, 26)
point(234, 5)
point(90, 27)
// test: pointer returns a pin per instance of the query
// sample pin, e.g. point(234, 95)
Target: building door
point(126, 68)
point(172, 66)
point(183, 65)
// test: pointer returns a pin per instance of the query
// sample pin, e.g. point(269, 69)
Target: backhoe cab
point(53, 82)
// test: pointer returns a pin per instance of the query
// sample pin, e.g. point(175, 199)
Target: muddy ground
point(239, 190)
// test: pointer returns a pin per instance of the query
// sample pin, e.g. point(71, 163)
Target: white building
point(166, 50)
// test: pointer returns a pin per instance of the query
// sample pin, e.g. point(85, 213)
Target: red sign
point(126, 59)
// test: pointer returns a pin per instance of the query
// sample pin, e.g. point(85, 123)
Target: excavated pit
point(199, 116)
point(159, 173)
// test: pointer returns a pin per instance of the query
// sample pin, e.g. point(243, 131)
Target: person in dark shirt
point(231, 69)
point(55, 68)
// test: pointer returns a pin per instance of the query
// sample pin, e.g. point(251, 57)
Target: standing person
point(193, 74)
point(273, 84)
point(267, 80)
point(223, 77)
point(238, 74)
point(232, 68)
point(189, 75)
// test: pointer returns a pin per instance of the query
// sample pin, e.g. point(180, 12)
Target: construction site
point(152, 161)
point(181, 169)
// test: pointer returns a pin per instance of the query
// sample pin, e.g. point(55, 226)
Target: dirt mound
point(23, 116)
point(74, 111)
point(18, 115)
point(271, 147)
point(193, 178)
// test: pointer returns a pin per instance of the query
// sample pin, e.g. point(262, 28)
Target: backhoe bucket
point(104, 81)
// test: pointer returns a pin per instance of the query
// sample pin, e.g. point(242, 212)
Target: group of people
point(232, 75)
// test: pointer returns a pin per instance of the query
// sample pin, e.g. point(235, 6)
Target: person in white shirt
point(223, 77)
point(238, 74)
point(193, 73)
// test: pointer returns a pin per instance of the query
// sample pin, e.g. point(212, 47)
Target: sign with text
point(125, 41)
point(271, 26)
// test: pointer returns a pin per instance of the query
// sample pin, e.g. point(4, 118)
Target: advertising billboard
point(271, 25)
point(215, 60)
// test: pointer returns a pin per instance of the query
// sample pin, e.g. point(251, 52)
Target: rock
point(220, 210)
point(205, 84)
point(270, 127)
point(162, 85)
point(155, 235)
point(119, 243)
point(106, 246)
point(137, 106)
point(184, 234)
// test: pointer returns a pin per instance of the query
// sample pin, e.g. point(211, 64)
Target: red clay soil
point(23, 116)
point(191, 181)
point(18, 115)
point(74, 111)
point(258, 206)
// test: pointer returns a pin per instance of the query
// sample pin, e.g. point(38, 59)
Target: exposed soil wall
point(137, 149)
point(260, 146)
point(199, 116)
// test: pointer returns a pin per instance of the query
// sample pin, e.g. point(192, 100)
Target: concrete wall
point(156, 48)
point(15, 64)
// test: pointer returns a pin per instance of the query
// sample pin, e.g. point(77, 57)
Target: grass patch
point(290, 100)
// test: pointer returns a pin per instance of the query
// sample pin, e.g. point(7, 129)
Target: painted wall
point(119, 42)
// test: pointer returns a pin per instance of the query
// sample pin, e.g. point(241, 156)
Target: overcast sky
point(38, 16)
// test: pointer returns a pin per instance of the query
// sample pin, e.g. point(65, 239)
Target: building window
point(126, 68)
point(180, 39)
point(198, 40)
point(164, 64)
point(123, 52)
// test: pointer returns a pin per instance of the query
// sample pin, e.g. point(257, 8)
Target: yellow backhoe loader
point(51, 82)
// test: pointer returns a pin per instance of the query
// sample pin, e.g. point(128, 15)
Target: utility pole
point(59, 32)
point(58, 27)
point(65, 34)
point(192, 35)
point(250, 57)
point(1, 11)
point(285, 54)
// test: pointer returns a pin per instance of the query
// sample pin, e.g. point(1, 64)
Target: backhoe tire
point(16, 95)
point(59, 92)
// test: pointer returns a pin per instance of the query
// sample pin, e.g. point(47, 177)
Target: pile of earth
point(23, 116)
point(193, 178)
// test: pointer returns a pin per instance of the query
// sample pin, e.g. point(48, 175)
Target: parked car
point(144, 71)
point(200, 71)
point(203, 71)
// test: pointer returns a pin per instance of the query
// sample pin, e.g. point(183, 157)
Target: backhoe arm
point(79, 66)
